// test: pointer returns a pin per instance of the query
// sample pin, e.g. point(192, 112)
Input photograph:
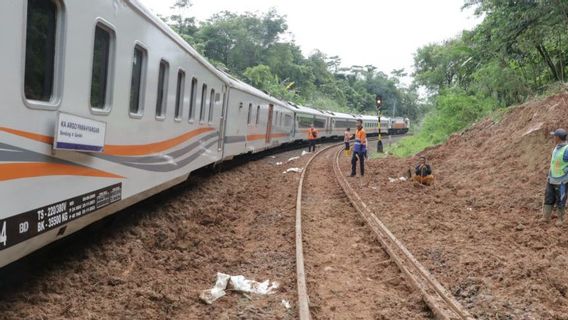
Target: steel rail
point(442, 303)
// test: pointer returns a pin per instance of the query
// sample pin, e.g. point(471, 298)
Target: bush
point(454, 111)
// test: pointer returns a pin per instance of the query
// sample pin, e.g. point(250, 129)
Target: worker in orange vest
point(359, 149)
point(312, 136)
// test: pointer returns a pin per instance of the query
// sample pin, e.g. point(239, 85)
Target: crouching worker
point(555, 193)
point(424, 172)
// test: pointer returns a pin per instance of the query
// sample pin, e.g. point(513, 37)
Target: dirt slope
point(477, 228)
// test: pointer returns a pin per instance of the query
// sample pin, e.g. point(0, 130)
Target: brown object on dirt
point(477, 231)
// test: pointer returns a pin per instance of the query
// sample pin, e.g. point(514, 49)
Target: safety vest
point(557, 163)
point(360, 141)
point(312, 133)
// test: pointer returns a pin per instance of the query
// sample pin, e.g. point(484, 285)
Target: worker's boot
point(546, 212)
point(561, 212)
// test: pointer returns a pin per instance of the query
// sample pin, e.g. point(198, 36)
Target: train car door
point(222, 122)
point(294, 125)
point(269, 123)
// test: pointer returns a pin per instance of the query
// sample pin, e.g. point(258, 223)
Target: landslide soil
point(153, 260)
point(349, 276)
point(477, 228)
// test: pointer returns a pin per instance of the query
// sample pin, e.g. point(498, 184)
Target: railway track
point(439, 300)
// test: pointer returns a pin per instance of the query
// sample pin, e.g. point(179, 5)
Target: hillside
point(477, 228)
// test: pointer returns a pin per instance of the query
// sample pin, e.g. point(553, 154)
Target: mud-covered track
point(347, 272)
point(441, 301)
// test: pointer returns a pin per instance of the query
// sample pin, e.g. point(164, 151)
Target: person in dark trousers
point(555, 193)
point(359, 149)
point(312, 136)
point(423, 172)
point(346, 138)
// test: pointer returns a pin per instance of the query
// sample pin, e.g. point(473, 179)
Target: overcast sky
point(384, 33)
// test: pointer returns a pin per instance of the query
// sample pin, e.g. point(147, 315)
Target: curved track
point(442, 304)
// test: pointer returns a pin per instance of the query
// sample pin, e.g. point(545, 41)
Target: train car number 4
point(3, 237)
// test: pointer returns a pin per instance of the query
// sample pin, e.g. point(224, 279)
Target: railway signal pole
point(379, 104)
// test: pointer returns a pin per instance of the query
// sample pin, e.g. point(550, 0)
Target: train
point(104, 105)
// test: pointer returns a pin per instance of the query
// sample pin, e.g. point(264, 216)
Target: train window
point(101, 66)
point(249, 113)
point(179, 94)
point(136, 91)
point(305, 121)
point(287, 120)
point(162, 96)
point(43, 18)
point(257, 114)
point(211, 105)
point(203, 102)
point(192, 98)
point(319, 123)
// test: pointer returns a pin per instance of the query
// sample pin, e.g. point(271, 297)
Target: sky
point(383, 33)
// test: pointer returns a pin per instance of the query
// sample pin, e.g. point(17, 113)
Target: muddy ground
point(477, 228)
point(154, 259)
point(349, 276)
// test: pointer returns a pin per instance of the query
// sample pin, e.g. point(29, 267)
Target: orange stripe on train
point(29, 135)
point(13, 171)
point(122, 150)
point(143, 149)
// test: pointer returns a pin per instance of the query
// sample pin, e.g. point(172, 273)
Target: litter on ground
point(236, 283)
point(297, 170)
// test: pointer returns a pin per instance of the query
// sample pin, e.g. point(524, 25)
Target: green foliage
point(518, 51)
point(250, 47)
point(454, 110)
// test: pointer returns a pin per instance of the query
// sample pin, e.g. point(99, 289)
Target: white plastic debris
point(286, 304)
point(210, 295)
point(273, 157)
point(391, 180)
point(279, 163)
point(402, 179)
point(304, 153)
point(399, 179)
point(297, 170)
point(236, 283)
point(241, 284)
point(293, 158)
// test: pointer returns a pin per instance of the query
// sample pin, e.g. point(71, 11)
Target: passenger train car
point(399, 125)
point(103, 105)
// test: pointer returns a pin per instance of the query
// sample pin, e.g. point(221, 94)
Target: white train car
point(255, 121)
point(103, 105)
point(342, 121)
point(370, 124)
point(385, 125)
point(305, 117)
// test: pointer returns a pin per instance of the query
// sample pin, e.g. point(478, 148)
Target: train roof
point(343, 115)
point(308, 110)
